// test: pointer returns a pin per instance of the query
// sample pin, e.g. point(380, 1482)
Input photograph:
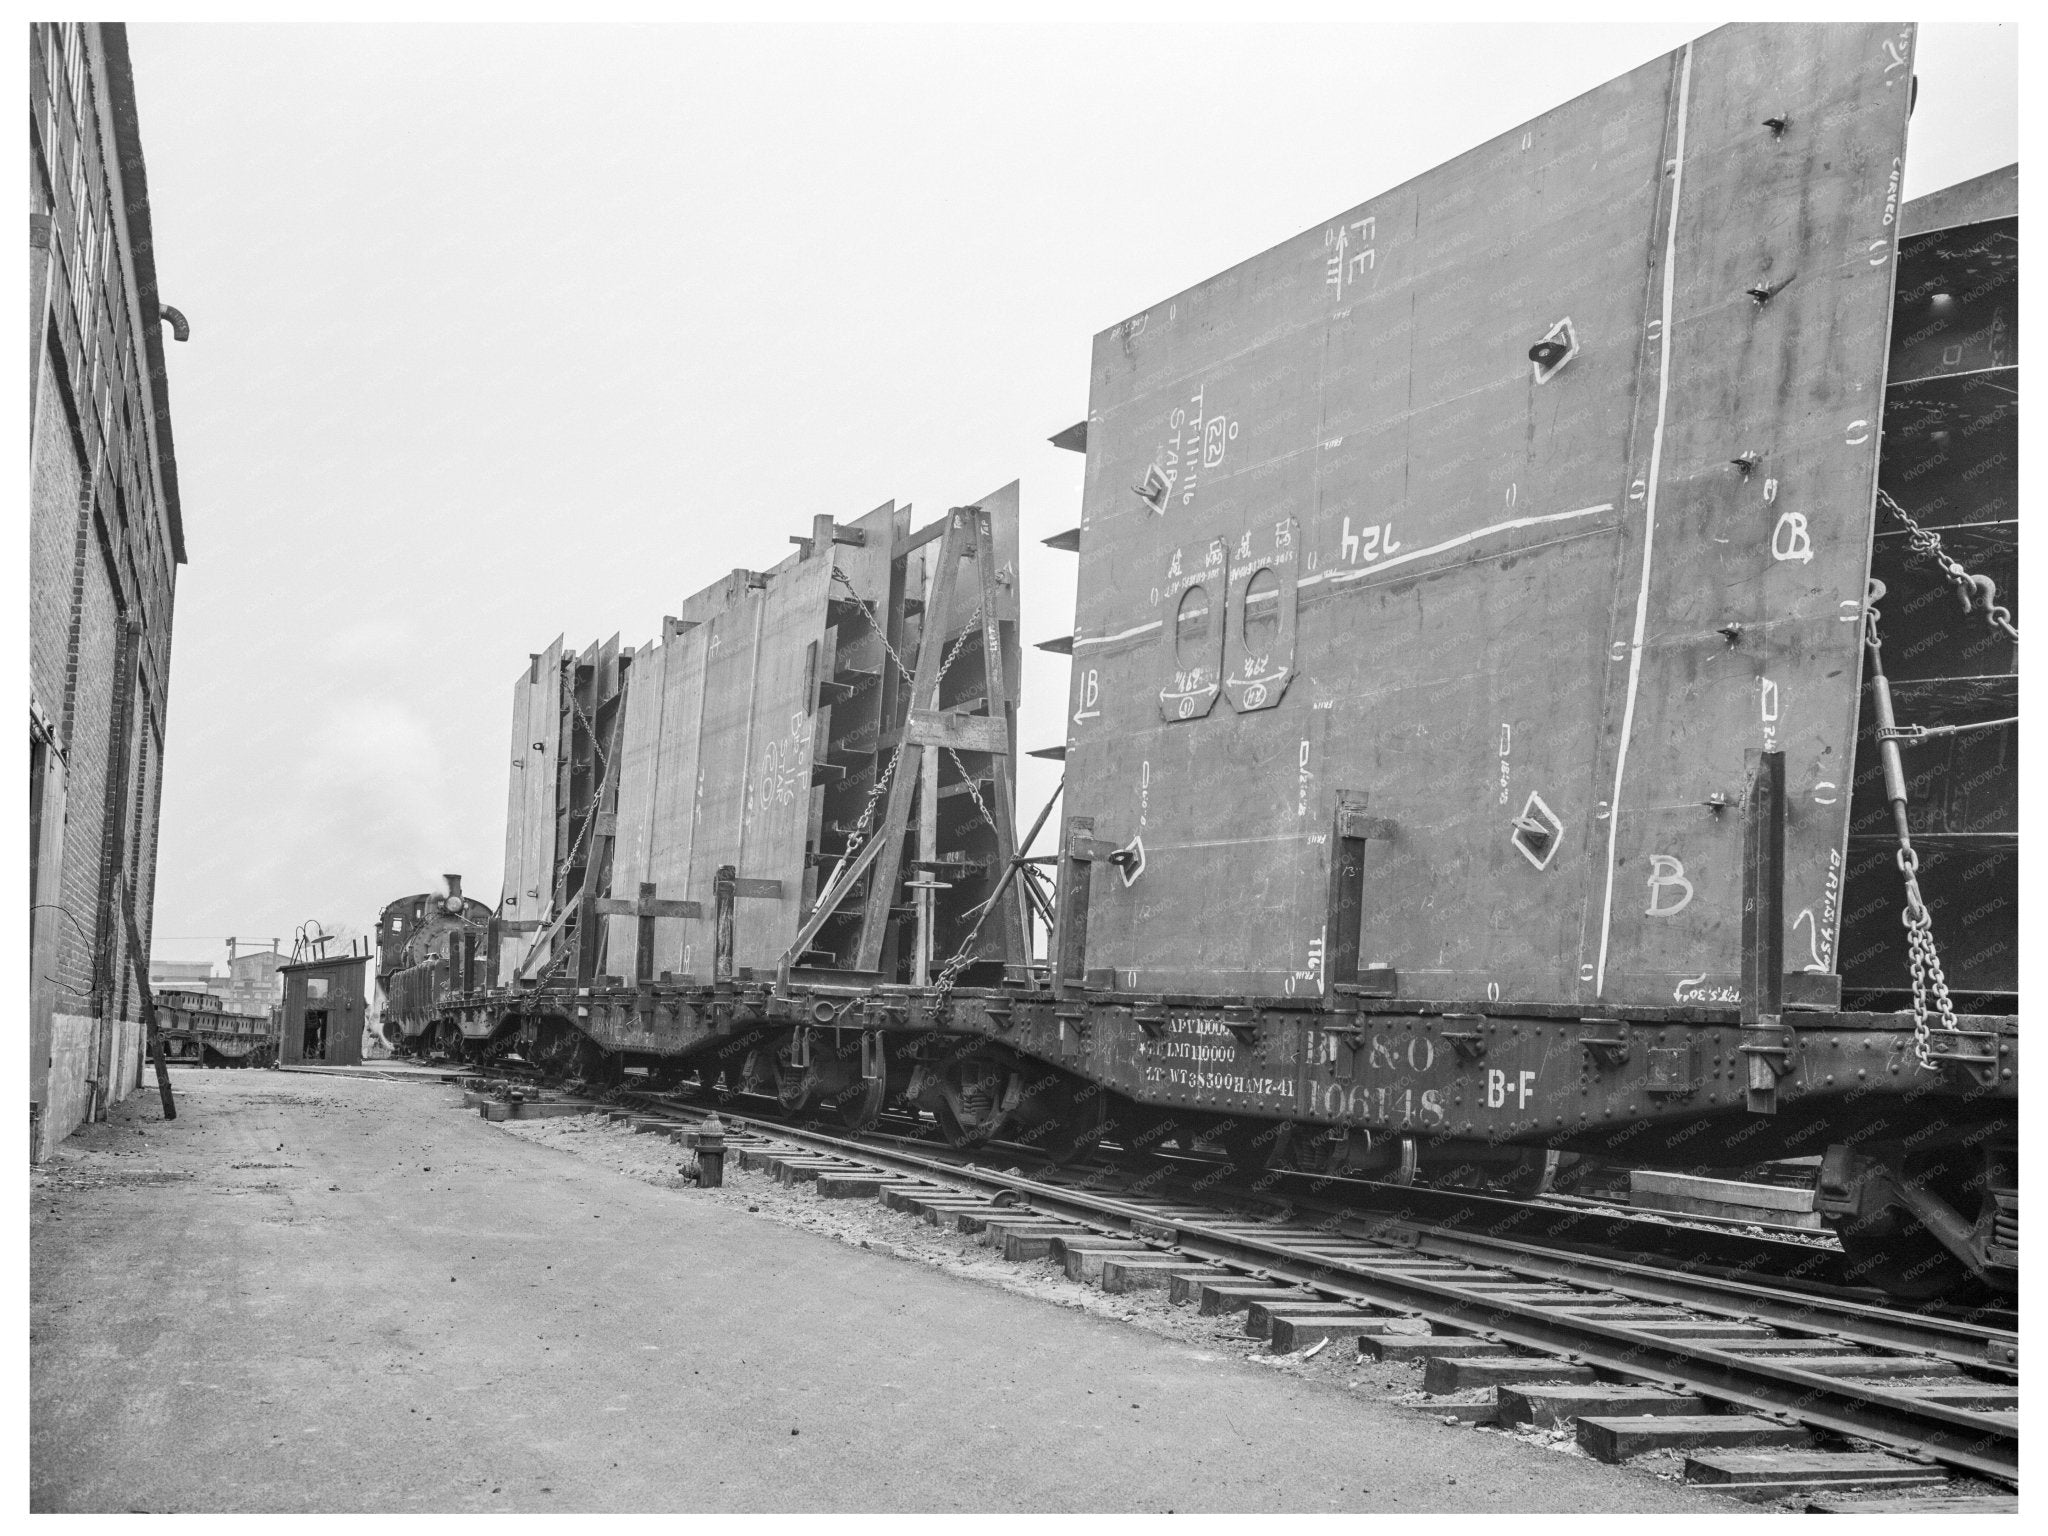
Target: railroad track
point(1707, 1246)
point(1767, 1394)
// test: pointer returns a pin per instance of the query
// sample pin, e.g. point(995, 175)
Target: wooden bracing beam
point(965, 533)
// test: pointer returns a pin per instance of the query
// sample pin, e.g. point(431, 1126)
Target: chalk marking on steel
point(1635, 655)
point(1463, 538)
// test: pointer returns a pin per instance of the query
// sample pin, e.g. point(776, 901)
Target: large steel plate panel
point(1562, 456)
point(530, 800)
point(966, 829)
point(717, 750)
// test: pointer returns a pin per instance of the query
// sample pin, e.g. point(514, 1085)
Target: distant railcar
point(195, 1029)
point(1469, 761)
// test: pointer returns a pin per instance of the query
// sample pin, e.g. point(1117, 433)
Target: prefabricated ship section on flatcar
point(1951, 465)
point(757, 737)
point(1464, 760)
point(1480, 534)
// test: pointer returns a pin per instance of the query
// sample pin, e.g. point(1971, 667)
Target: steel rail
point(1595, 1226)
point(1961, 1343)
point(1951, 1436)
point(1957, 1340)
point(1811, 1308)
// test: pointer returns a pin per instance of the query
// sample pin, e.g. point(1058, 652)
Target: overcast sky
point(505, 332)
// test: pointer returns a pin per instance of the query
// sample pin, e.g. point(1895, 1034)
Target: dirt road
point(334, 1293)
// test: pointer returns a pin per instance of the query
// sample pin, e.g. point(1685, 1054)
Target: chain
point(866, 819)
point(942, 985)
point(974, 790)
point(1971, 589)
point(953, 967)
point(874, 620)
point(1922, 959)
point(1925, 965)
point(859, 834)
point(604, 779)
point(882, 631)
point(596, 802)
point(960, 642)
point(950, 973)
point(861, 823)
point(590, 725)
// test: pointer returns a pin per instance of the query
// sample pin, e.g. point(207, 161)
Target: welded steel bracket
point(1078, 854)
point(1469, 1042)
point(1351, 830)
point(1771, 1051)
point(1763, 888)
point(1975, 1052)
point(1610, 1051)
point(1350, 1036)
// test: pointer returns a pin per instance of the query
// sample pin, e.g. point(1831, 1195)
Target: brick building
point(179, 976)
point(105, 541)
point(252, 984)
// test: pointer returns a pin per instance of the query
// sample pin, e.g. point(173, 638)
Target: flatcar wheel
point(950, 1126)
point(1072, 1141)
point(1308, 1153)
point(1247, 1146)
point(1071, 1133)
point(796, 1088)
point(1533, 1175)
point(584, 1060)
point(956, 1131)
point(860, 1104)
point(1907, 1262)
point(1059, 1116)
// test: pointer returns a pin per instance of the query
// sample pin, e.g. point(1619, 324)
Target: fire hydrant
point(708, 1141)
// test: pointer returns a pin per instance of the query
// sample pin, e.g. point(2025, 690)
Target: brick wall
point(105, 541)
point(142, 840)
point(89, 731)
point(53, 546)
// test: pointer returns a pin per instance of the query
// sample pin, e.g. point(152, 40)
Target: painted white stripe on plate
point(1384, 565)
point(1635, 654)
point(1122, 634)
point(1333, 577)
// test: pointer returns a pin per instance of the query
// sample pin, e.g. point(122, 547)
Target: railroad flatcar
point(1544, 683)
point(194, 1028)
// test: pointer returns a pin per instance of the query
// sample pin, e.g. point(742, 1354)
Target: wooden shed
point(324, 1003)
